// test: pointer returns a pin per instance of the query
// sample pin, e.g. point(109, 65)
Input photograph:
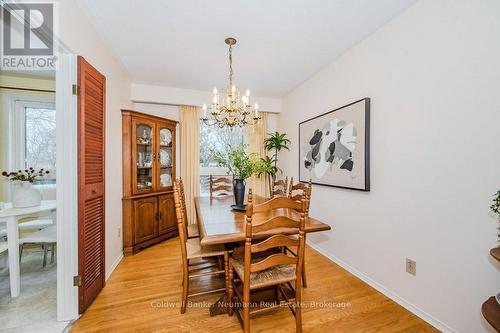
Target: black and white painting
point(335, 147)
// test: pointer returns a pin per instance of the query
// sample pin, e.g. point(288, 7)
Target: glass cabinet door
point(144, 156)
point(166, 155)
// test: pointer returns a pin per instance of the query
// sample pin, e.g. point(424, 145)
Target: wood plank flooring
point(144, 292)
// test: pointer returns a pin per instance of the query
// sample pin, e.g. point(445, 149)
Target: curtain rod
point(28, 89)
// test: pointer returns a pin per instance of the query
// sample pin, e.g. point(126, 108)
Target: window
point(40, 139)
point(31, 133)
point(215, 138)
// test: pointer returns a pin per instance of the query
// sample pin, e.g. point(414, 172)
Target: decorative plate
point(164, 158)
point(165, 137)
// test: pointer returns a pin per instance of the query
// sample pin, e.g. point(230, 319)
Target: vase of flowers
point(241, 166)
point(495, 208)
point(24, 195)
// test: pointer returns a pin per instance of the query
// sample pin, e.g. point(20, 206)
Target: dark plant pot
point(239, 192)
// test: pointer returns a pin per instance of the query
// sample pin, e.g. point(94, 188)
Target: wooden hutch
point(148, 174)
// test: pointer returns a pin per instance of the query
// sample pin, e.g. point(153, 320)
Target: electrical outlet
point(119, 232)
point(411, 266)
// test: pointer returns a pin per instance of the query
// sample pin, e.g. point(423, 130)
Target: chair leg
point(230, 288)
point(246, 317)
point(298, 309)
point(52, 253)
point(185, 287)
point(246, 307)
point(45, 250)
point(304, 279)
point(21, 247)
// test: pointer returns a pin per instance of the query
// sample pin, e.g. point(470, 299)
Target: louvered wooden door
point(91, 125)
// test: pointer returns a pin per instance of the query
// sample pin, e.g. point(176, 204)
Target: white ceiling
point(281, 43)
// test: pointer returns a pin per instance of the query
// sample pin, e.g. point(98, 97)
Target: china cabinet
point(148, 173)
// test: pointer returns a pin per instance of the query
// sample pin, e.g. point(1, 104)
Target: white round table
point(11, 216)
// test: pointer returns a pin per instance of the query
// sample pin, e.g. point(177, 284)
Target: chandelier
point(230, 107)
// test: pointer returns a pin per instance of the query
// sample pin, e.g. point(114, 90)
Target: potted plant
point(24, 194)
point(275, 142)
point(267, 166)
point(495, 208)
point(240, 165)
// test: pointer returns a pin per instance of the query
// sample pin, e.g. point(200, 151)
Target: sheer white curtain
point(190, 156)
point(256, 135)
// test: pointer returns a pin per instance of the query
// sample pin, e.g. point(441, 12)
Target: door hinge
point(77, 281)
point(76, 89)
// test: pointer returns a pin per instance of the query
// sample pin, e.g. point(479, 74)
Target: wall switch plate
point(411, 266)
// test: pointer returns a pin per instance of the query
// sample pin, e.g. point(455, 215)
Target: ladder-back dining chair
point(191, 250)
point(258, 270)
point(220, 186)
point(295, 192)
point(192, 230)
point(280, 187)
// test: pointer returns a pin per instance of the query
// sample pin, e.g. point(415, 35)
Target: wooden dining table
point(219, 224)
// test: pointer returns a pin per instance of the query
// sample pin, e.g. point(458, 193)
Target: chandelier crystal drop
point(229, 107)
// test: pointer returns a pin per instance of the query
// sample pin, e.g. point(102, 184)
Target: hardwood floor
point(144, 292)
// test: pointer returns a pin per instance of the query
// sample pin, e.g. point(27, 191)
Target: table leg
point(14, 269)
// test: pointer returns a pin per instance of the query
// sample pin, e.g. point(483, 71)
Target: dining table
point(11, 217)
point(219, 224)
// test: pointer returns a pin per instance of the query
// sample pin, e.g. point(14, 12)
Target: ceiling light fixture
point(229, 107)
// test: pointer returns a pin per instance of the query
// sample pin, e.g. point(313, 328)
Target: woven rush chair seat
point(268, 277)
point(195, 250)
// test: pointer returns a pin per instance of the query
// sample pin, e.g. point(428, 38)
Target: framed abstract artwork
point(335, 147)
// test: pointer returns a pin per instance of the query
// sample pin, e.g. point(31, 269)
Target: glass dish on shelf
point(165, 160)
point(165, 137)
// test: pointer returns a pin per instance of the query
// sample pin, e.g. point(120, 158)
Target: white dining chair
point(48, 192)
point(46, 237)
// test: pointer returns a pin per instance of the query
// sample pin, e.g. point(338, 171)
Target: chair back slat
point(221, 180)
point(275, 241)
point(273, 260)
point(221, 186)
point(275, 203)
point(276, 222)
point(225, 188)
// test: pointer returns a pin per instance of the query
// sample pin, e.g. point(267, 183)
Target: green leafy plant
point(28, 175)
point(275, 143)
point(239, 163)
point(267, 166)
point(495, 208)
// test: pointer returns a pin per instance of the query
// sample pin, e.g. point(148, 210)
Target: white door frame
point(67, 186)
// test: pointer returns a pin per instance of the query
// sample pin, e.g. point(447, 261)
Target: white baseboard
point(396, 298)
point(112, 269)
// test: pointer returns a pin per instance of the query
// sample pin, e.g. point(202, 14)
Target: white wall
point(78, 34)
point(433, 76)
